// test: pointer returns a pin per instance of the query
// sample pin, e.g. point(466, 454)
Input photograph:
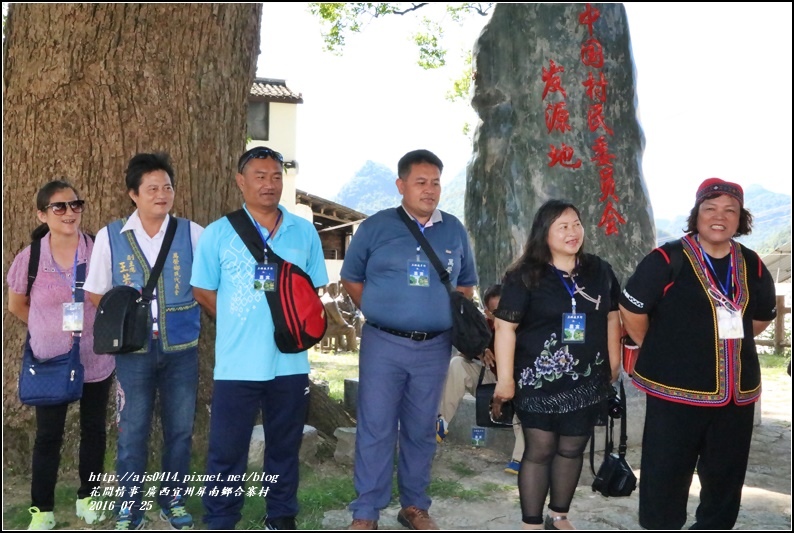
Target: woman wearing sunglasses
point(53, 316)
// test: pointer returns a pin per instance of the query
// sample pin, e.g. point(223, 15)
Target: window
point(258, 120)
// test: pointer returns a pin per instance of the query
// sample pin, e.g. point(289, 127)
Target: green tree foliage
point(342, 19)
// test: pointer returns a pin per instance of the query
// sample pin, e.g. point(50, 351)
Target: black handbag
point(58, 380)
point(470, 332)
point(615, 477)
point(123, 316)
point(483, 400)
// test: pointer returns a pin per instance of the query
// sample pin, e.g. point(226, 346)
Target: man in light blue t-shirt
point(406, 341)
point(250, 372)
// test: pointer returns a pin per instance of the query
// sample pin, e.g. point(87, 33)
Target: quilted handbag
point(55, 381)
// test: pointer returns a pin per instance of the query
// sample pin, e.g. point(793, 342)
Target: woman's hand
point(504, 392)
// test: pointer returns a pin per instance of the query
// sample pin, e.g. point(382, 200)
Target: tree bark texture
point(325, 413)
point(558, 108)
point(85, 87)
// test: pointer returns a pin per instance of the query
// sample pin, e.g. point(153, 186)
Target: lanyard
point(571, 289)
point(727, 288)
point(74, 270)
point(270, 234)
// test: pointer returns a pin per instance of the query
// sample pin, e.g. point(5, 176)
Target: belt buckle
point(415, 334)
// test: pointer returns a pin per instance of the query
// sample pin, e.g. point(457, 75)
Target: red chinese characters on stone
point(611, 218)
point(557, 117)
point(552, 80)
point(596, 90)
point(563, 156)
point(592, 53)
point(595, 118)
point(588, 17)
point(602, 155)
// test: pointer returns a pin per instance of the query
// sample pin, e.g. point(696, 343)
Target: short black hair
point(494, 291)
point(417, 156)
point(141, 164)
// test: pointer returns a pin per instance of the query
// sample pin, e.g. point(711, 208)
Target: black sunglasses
point(260, 152)
point(59, 208)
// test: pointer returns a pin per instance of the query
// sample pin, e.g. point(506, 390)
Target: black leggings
point(50, 422)
point(552, 463)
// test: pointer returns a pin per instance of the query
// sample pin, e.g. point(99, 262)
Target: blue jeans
point(140, 378)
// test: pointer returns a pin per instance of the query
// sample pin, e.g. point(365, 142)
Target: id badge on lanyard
point(729, 323)
point(573, 326)
point(265, 277)
point(73, 316)
point(418, 274)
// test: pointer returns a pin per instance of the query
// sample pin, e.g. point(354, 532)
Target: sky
point(714, 87)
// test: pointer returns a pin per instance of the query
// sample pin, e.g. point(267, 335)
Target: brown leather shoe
point(415, 518)
point(360, 523)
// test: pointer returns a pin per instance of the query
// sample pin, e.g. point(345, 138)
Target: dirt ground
point(492, 501)
point(766, 501)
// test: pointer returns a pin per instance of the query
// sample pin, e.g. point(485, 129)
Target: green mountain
point(372, 189)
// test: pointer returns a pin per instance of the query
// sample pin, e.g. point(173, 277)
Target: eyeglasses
point(59, 208)
point(260, 152)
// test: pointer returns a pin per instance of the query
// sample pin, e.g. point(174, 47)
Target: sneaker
point(125, 520)
point(513, 467)
point(286, 523)
point(86, 511)
point(441, 429)
point(176, 515)
point(40, 520)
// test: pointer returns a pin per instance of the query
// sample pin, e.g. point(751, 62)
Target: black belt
point(413, 335)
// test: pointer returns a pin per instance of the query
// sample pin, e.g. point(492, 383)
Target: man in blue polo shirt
point(250, 372)
point(406, 341)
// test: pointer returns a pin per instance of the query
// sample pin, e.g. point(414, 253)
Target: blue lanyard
point(74, 270)
point(726, 289)
point(571, 289)
point(270, 234)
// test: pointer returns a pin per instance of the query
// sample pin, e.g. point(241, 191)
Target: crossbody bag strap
point(148, 290)
point(623, 436)
point(431, 254)
point(244, 226)
point(482, 374)
point(33, 264)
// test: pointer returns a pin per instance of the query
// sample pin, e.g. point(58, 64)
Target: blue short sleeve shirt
point(379, 256)
point(245, 348)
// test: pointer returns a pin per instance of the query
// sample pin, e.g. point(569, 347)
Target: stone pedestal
point(351, 396)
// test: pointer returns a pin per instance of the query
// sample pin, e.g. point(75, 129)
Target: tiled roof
point(272, 90)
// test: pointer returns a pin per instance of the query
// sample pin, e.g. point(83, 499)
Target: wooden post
point(780, 323)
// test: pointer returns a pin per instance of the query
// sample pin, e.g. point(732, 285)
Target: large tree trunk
point(86, 86)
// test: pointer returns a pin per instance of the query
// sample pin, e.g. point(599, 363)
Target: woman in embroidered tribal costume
point(698, 366)
point(558, 326)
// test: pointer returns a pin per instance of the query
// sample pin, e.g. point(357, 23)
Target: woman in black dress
point(558, 326)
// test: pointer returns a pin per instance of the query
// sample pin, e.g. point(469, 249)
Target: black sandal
point(549, 523)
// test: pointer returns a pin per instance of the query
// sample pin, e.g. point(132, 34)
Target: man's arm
point(95, 298)
point(355, 290)
point(468, 292)
point(206, 299)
